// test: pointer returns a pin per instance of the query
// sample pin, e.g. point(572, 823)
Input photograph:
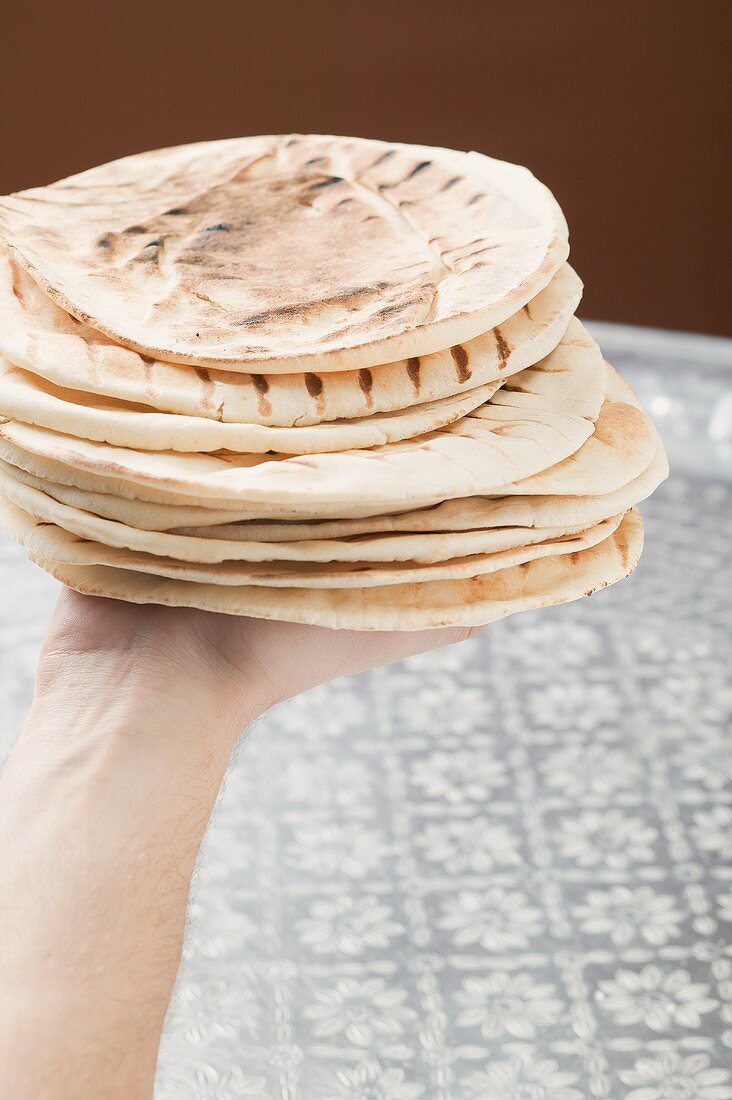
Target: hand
point(105, 799)
point(248, 664)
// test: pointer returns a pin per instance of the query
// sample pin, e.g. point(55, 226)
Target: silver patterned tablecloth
point(497, 872)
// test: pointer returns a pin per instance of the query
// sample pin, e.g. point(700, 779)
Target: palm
point(258, 658)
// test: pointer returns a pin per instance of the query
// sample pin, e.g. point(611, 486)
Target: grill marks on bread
point(460, 356)
point(208, 254)
point(413, 367)
point(314, 386)
point(366, 382)
point(503, 347)
point(261, 385)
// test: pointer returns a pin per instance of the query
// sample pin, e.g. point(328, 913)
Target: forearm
point(103, 807)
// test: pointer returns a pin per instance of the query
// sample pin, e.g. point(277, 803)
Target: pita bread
point(622, 447)
point(270, 254)
point(471, 513)
point(46, 341)
point(320, 379)
point(35, 401)
point(467, 515)
point(421, 547)
point(472, 602)
point(48, 541)
point(490, 447)
point(478, 455)
point(571, 380)
point(142, 514)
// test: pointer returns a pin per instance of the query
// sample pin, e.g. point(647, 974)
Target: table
point(491, 871)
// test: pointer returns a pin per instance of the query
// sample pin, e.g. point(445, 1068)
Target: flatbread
point(467, 515)
point(622, 446)
point(472, 602)
point(145, 515)
point(470, 513)
point(38, 336)
point(423, 547)
point(491, 447)
point(32, 400)
point(569, 381)
point(48, 541)
point(480, 454)
point(282, 251)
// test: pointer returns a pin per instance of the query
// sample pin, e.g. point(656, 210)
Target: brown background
point(621, 107)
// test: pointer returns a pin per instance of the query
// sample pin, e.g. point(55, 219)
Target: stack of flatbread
point(320, 379)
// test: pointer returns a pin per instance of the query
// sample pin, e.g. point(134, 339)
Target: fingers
point(295, 657)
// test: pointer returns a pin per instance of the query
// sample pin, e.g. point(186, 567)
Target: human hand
point(236, 666)
point(106, 796)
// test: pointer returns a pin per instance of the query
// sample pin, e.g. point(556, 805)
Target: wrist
point(102, 660)
point(108, 723)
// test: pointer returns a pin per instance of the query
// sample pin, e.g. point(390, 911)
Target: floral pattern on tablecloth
point(501, 871)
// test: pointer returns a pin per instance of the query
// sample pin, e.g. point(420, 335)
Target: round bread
point(421, 547)
point(25, 397)
point(38, 336)
point(470, 602)
point(490, 447)
point(467, 516)
point(280, 254)
point(621, 447)
point(46, 540)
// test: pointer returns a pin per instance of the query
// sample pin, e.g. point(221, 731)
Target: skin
point(104, 802)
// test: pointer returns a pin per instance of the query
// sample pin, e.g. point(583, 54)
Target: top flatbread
point(270, 254)
point(38, 336)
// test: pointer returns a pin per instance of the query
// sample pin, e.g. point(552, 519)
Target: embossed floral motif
point(441, 702)
point(579, 770)
point(460, 776)
point(219, 1009)
point(370, 1082)
point(507, 1004)
point(706, 760)
point(205, 1082)
point(606, 836)
point(362, 1011)
point(348, 925)
point(473, 846)
point(685, 697)
point(331, 701)
point(624, 914)
point(535, 641)
point(496, 918)
point(232, 933)
point(712, 831)
point(674, 1077)
point(725, 907)
point(522, 1079)
point(324, 780)
point(573, 706)
point(656, 998)
point(223, 865)
point(337, 849)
